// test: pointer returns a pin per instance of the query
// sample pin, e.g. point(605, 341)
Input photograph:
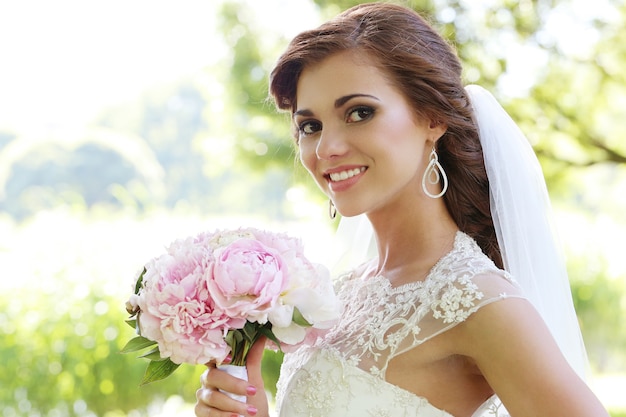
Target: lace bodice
point(343, 374)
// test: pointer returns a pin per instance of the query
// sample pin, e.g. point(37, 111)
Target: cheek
point(308, 159)
point(406, 137)
point(307, 156)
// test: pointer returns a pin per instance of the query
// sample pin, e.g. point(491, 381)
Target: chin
point(349, 212)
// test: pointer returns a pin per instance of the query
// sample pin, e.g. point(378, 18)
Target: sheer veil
point(521, 211)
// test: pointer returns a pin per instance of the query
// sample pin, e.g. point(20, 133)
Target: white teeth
point(344, 175)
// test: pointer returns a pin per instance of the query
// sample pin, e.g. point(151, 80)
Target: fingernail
point(251, 390)
point(252, 411)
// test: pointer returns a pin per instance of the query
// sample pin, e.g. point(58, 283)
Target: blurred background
point(127, 124)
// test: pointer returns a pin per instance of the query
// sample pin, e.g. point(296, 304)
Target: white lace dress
point(343, 375)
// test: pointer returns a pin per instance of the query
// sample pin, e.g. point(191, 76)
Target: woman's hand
point(212, 402)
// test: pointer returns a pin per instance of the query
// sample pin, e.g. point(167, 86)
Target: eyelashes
point(359, 114)
point(355, 114)
point(309, 127)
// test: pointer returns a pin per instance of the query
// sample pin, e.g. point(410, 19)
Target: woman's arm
point(518, 356)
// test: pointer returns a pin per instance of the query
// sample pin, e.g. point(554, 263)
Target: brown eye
point(309, 127)
point(359, 114)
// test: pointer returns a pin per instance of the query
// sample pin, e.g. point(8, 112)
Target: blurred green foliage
point(600, 303)
point(61, 355)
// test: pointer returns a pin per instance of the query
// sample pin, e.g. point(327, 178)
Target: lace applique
point(457, 303)
point(492, 408)
point(381, 321)
point(315, 396)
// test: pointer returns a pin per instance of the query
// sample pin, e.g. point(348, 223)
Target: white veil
point(521, 212)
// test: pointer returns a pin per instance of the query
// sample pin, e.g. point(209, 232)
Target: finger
point(255, 355)
point(217, 379)
point(215, 403)
point(203, 410)
point(254, 361)
point(205, 375)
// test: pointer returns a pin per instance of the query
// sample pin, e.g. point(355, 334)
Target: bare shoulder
point(515, 352)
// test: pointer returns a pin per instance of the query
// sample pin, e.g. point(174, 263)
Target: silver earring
point(332, 210)
point(433, 174)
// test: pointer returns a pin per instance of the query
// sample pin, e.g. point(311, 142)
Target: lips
point(343, 178)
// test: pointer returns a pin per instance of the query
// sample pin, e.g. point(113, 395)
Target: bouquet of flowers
point(216, 294)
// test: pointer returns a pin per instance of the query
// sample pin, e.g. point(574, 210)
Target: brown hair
point(421, 64)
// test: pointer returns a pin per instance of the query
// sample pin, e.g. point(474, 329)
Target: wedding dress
point(343, 374)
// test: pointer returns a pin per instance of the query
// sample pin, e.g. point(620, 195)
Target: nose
point(331, 144)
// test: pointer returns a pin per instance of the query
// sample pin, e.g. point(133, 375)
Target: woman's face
point(358, 136)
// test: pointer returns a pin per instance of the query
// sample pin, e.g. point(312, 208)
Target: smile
point(344, 175)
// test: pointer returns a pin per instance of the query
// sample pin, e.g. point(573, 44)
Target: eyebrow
point(338, 103)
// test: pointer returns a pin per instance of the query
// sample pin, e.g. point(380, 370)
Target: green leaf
point(250, 331)
point(267, 332)
point(299, 319)
point(153, 355)
point(230, 338)
point(237, 336)
point(136, 344)
point(158, 370)
point(140, 280)
point(132, 323)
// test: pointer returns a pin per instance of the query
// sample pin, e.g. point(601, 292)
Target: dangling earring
point(332, 210)
point(433, 174)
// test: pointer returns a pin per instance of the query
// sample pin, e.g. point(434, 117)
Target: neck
point(412, 238)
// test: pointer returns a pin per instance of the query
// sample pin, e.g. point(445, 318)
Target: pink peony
point(176, 309)
point(247, 279)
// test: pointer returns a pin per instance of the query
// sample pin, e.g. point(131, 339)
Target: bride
point(464, 309)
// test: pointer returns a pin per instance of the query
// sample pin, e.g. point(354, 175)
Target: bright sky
point(62, 61)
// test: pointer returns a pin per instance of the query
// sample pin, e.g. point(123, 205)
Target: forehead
point(338, 75)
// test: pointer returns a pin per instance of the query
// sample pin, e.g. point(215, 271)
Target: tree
point(558, 95)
